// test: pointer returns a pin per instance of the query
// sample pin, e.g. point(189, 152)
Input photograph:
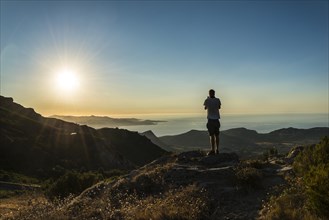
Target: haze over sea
point(177, 124)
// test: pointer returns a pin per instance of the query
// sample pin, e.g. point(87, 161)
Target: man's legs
point(213, 129)
point(212, 142)
point(217, 144)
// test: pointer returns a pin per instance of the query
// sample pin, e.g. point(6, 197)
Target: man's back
point(212, 105)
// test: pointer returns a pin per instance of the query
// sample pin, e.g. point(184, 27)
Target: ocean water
point(177, 124)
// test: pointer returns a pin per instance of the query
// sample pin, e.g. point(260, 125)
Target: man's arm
point(205, 104)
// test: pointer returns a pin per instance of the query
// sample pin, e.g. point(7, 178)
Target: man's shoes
point(217, 151)
point(211, 153)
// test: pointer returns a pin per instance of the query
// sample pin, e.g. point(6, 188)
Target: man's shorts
point(213, 126)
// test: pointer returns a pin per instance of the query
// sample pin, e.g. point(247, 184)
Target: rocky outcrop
point(8, 103)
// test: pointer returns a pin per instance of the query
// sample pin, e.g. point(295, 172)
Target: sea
point(178, 124)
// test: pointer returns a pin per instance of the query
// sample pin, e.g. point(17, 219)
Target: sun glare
point(67, 80)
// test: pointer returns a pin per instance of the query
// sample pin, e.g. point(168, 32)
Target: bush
point(312, 165)
point(258, 164)
point(272, 152)
point(249, 177)
point(71, 182)
point(307, 196)
point(9, 176)
point(290, 204)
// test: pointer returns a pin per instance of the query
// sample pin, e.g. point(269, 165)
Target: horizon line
point(187, 114)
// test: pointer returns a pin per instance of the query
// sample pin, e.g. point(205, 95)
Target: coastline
point(261, 123)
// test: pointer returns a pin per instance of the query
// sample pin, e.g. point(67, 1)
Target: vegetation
point(187, 203)
point(270, 153)
point(307, 196)
point(290, 204)
point(13, 177)
point(248, 175)
point(312, 166)
point(69, 182)
point(184, 203)
point(9, 193)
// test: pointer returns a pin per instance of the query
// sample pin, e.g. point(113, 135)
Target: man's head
point(212, 93)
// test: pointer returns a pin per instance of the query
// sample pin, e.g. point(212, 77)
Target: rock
point(189, 155)
point(222, 158)
point(285, 169)
point(293, 153)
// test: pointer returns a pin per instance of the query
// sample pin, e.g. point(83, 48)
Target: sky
point(162, 57)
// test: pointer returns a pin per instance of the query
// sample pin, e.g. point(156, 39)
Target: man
point(212, 105)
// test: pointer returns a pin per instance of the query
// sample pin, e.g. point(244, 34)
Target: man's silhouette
point(212, 105)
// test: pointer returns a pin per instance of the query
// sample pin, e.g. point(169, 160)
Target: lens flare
point(67, 80)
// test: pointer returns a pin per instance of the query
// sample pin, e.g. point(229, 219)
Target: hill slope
point(189, 185)
point(155, 140)
point(33, 144)
point(135, 147)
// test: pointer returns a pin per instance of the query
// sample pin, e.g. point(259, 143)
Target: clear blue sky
point(141, 57)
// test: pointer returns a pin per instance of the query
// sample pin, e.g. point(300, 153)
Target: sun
point(67, 80)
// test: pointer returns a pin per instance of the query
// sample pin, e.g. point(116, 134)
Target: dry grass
point(14, 206)
point(287, 206)
point(185, 203)
point(144, 198)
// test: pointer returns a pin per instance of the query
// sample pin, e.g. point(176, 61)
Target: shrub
point(272, 152)
point(248, 177)
point(71, 182)
point(307, 196)
point(312, 165)
point(9, 176)
point(258, 164)
point(290, 204)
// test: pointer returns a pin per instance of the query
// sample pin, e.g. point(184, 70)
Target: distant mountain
point(135, 147)
point(32, 144)
point(155, 140)
point(191, 139)
point(247, 143)
point(104, 121)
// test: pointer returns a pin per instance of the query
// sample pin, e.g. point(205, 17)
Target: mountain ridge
point(33, 144)
point(247, 143)
point(105, 121)
point(154, 139)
